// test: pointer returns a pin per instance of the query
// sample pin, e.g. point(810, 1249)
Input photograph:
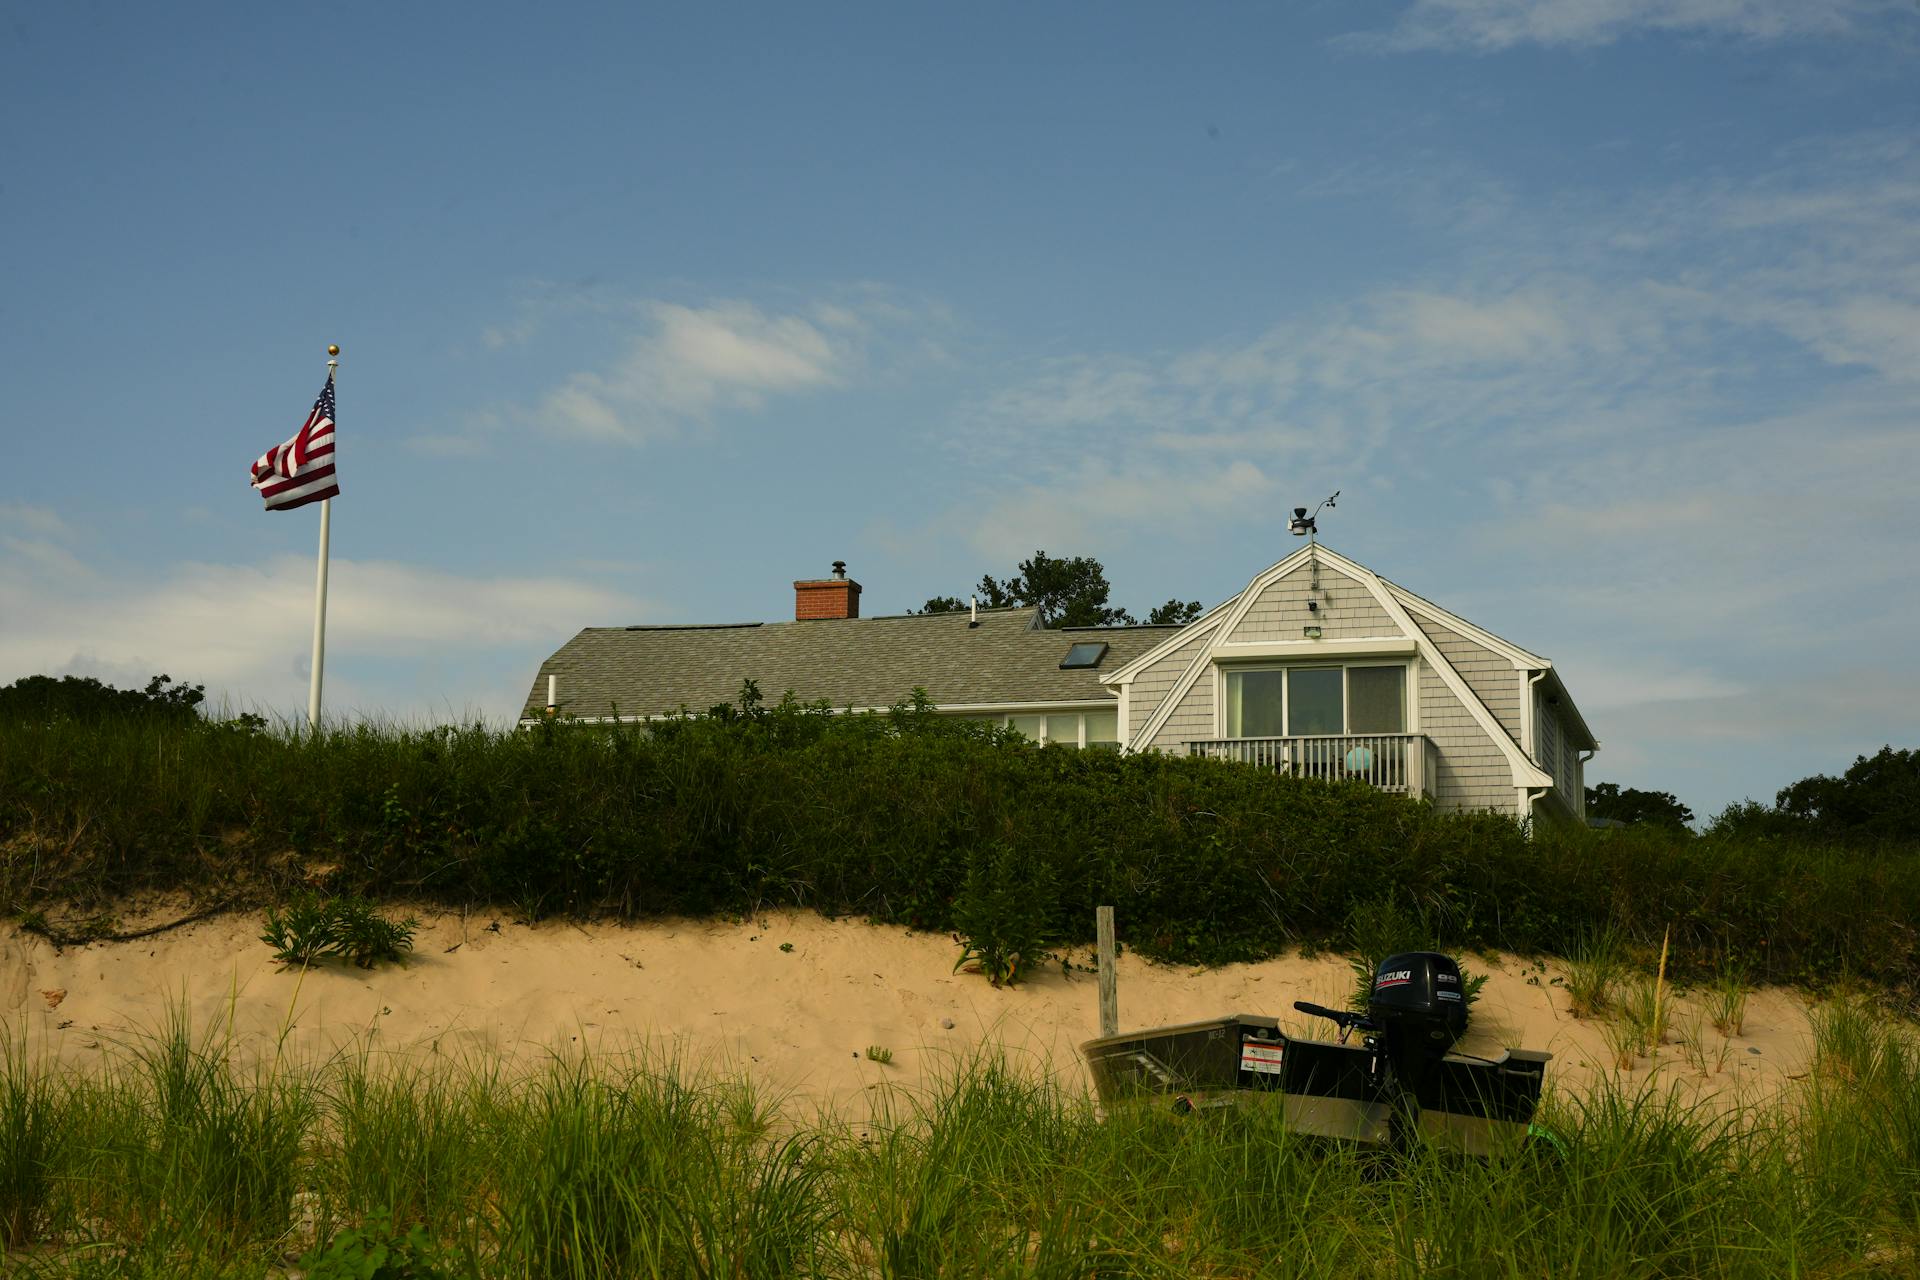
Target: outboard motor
point(1398, 1082)
point(1420, 1010)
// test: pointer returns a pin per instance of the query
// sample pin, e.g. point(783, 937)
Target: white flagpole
point(320, 585)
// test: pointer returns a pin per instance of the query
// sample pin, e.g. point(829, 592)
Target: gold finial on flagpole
point(332, 350)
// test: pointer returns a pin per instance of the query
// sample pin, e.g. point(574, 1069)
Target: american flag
point(301, 470)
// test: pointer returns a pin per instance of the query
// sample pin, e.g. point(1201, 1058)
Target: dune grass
point(180, 1157)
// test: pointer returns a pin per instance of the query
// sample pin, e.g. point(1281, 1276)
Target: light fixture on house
point(1311, 633)
point(1304, 525)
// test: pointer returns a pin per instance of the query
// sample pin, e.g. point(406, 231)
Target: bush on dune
point(888, 816)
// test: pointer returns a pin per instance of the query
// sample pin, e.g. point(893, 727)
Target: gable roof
point(1396, 601)
point(857, 662)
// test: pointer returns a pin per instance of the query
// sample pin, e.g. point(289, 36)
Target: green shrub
point(377, 1250)
point(1003, 913)
point(912, 818)
point(301, 932)
point(310, 928)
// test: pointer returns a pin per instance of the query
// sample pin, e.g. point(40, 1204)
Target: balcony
point(1403, 763)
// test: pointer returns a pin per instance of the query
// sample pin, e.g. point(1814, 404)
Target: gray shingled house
point(1320, 667)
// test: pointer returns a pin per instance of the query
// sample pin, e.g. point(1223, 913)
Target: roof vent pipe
point(973, 611)
point(551, 704)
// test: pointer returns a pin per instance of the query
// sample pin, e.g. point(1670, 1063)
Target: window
point(1084, 653)
point(1376, 700)
point(1064, 728)
point(1314, 701)
point(1303, 702)
point(1255, 708)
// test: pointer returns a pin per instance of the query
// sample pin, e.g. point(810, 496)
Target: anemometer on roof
point(1302, 525)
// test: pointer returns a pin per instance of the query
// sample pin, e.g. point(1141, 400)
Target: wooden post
point(1109, 979)
point(1659, 983)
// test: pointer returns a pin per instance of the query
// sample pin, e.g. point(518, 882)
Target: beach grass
point(180, 1156)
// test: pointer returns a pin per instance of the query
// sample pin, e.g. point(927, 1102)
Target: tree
point(1878, 797)
point(1069, 592)
point(1174, 613)
point(1876, 800)
point(42, 699)
point(1632, 806)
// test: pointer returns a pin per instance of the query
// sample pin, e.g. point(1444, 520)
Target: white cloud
point(689, 363)
point(1667, 439)
point(1493, 25)
point(43, 521)
point(672, 367)
point(1098, 504)
point(245, 629)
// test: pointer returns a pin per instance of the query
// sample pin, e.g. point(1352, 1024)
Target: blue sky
point(1604, 315)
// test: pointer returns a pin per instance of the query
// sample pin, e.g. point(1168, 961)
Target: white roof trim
point(1525, 772)
point(1567, 707)
point(1395, 600)
point(1096, 704)
point(1202, 659)
point(1454, 622)
point(1206, 621)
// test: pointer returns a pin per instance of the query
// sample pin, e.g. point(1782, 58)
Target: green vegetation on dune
point(911, 818)
point(179, 1157)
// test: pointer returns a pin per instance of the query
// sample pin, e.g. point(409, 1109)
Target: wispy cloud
point(244, 628)
point(690, 362)
point(33, 519)
point(1669, 436)
point(673, 366)
point(1489, 26)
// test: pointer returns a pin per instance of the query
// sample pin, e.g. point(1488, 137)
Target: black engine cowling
point(1418, 995)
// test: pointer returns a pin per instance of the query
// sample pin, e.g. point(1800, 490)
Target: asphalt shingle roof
point(859, 662)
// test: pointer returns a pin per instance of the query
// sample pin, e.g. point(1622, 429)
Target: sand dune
point(789, 997)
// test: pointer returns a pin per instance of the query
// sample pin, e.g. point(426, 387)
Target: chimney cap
point(839, 568)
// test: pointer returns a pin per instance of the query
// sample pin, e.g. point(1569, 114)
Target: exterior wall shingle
point(1152, 685)
point(1473, 772)
point(1491, 676)
point(1347, 609)
point(1192, 719)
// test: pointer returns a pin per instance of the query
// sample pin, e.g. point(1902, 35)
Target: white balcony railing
point(1398, 762)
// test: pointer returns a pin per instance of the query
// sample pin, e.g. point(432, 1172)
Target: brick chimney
point(835, 597)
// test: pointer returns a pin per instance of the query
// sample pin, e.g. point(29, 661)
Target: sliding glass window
point(1298, 702)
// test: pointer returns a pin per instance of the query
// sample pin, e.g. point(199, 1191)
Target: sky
point(1603, 316)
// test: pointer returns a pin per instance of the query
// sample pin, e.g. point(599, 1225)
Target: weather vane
point(1303, 525)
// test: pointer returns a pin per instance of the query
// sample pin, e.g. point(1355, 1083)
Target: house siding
point(1548, 753)
point(1492, 677)
point(1473, 772)
point(1152, 685)
point(1347, 610)
point(1555, 752)
point(1191, 720)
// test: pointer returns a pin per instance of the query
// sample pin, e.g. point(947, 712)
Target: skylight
point(1086, 653)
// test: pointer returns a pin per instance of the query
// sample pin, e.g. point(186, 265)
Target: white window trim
point(1297, 650)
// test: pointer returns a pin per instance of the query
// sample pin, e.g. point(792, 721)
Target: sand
point(789, 998)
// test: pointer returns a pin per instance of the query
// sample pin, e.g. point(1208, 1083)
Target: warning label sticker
point(1258, 1056)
